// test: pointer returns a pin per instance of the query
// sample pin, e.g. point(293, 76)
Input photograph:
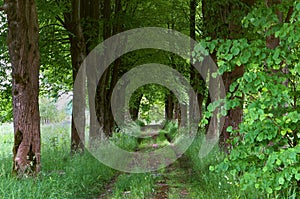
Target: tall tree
point(23, 34)
point(222, 20)
point(112, 24)
point(78, 54)
point(195, 78)
point(90, 20)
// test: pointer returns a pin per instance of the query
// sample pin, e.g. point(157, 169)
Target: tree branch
point(58, 18)
point(289, 14)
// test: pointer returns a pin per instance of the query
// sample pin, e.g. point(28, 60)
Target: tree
point(266, 149)
point(222, 20)
point(23, 34)
point(78, 54)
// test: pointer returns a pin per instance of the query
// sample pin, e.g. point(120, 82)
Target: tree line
point(254, 44)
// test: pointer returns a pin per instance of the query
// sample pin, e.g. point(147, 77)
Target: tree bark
point(221, 23)
point(196, 80)
point(78, 54)
point(102, 100)
point(90, 14)
point(110, 76)
point(23, 33)
point(169, 106)
point(135, 105)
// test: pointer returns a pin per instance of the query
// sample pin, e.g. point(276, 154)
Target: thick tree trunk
point(23, 32)
point(102, 98)
point(221, 23)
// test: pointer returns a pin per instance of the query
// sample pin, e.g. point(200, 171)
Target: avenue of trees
point(255, 44)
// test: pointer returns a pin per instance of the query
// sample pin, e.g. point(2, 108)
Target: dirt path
point(175, 182)
point(171, 182)
point(109, 187)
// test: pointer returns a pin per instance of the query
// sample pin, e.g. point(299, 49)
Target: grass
point(62, 176)
point(82, 176)
point(133, 186)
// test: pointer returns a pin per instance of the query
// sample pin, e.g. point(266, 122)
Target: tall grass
point(133, 186)
point(62, 175)
point(82, 176)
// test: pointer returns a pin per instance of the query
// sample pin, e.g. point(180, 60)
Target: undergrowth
point(210, 184)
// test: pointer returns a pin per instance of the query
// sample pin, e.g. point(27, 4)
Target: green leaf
point(297, 176)
point(281, 180)
point(229, 129)
point(298, 6)
point(269, 190)
point(235, 51)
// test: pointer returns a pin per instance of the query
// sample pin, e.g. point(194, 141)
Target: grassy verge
point(62, 176)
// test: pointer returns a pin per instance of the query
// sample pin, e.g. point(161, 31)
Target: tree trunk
point(221, 23)
point(135, 105)
point(196, 80)
point(102, 100)
point(23, 33)
point(90, 13)
point(110, 76)
point(78, 54)
point(169, 106)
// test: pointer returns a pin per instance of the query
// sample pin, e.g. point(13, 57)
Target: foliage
point(49, 112)
point(266, 150)
point(169, 131)
point(152, 103)
point(56, 70)
point(124, 140)
point(207, 184)
point(5, 71)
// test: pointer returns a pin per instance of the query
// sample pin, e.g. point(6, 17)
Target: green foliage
point(208, 184)
point(169, 131)
point(5, 71)
point(125, 140)
point(49, 112)
point(266, 150)
point(56, 70)
point(152, 103)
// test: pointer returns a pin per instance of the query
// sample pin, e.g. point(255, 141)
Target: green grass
point(82, 176)
point(133, 186)
point(62, 176)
